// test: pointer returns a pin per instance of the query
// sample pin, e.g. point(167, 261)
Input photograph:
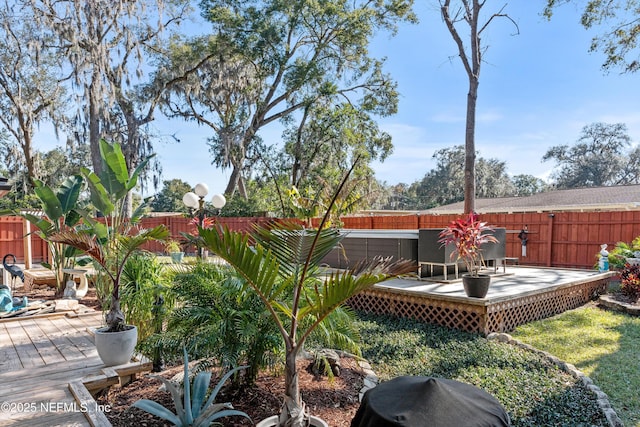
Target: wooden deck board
point(47, 351)
point(59, 338)
point(78, 338)
point(35, 378)
point(9, 359)
point(40, 359)
point(27, 352)
point(521, 295)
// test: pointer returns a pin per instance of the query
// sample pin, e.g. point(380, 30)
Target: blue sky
point(537, 89)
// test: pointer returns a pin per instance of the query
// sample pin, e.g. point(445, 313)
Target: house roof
point(622, 197)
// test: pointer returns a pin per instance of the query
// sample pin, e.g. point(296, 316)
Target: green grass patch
point(605, 345)
point(533, 390)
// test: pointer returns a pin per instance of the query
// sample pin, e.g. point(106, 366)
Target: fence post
point(550, 239)
point(28, 256)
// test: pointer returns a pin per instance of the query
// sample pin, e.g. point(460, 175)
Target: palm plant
point(220, 321)
point(111, 242)
point(282, 266)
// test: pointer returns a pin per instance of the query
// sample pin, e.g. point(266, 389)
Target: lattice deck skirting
point(475, 315)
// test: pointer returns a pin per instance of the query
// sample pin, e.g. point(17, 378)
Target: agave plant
point(282, 266)
point(190, 404)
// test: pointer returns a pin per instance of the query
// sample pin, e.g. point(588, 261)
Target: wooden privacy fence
point(555, 239)
point(12, 233)
point(559, 239)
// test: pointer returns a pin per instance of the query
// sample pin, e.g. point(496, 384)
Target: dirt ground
point(335, 400)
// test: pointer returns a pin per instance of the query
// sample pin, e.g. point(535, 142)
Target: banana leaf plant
point(282, 265)
point(112, 240)
point(61, 212)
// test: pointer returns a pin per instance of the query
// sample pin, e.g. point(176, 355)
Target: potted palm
point(110, 242)
point(467, 235)
point(282, 266)
point(174, 250)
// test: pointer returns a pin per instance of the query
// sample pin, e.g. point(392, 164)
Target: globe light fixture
point(201, 190)
point(194, 200)
point(218, 201)
point(190, 200)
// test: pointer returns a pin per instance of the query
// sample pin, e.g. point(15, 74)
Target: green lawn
point(533, 390)
point(605, 345)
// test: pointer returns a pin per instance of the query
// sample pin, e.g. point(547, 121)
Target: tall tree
point(471, 54)
point(526, 185)
point(327, 138)
point(218, 91)
point(293, 54)
point(169, 199)
point(444, 184)
point(30, 88)
point(619, 42)
point(103, 42)
point(54, 167)
point(323, 143)
point(599, 158)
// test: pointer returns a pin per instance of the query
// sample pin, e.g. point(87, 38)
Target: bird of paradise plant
point(112, 241)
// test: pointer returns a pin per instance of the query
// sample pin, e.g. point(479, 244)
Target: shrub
point(630, 281)
point(143, 288)
point(217, 319)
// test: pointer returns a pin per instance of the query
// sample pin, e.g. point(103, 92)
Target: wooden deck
point(518, 296)
point(48, 366)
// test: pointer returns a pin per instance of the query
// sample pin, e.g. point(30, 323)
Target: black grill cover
point(414, 401)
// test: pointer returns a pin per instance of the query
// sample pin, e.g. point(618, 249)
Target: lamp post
point(195, 202)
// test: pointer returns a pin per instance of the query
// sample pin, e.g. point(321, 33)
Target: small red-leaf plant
point(630, 281)
point(467, 235)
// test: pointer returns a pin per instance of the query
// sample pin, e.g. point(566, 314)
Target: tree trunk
point(232, 185)
point(94, 123)
point(27, 149)
point(293, 411)
point(470, 147)
point(236, 182)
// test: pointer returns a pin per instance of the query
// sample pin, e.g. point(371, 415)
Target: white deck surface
point(516, 281)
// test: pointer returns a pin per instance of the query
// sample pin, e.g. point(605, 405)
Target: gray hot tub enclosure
point(419, 245)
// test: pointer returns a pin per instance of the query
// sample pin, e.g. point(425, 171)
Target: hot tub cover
point(417, 401)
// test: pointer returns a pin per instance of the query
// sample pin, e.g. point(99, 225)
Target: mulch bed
point(334, 400)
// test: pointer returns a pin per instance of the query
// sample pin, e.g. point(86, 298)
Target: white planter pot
point(116, 348)
point(273, 422)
